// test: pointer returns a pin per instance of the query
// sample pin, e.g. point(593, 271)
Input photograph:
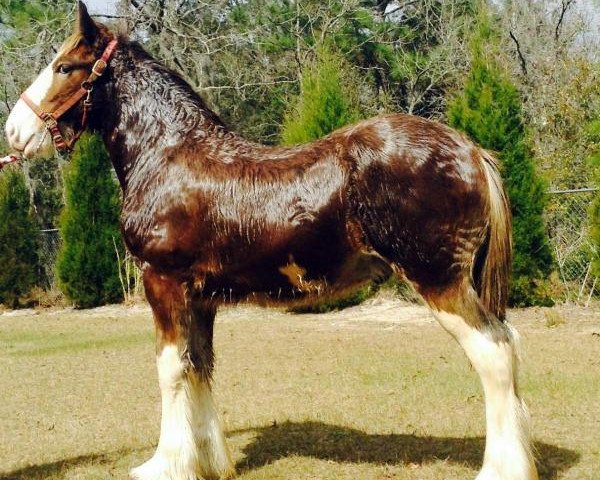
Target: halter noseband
point(50, 119)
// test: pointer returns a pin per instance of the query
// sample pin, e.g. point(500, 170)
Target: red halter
point(50, 119)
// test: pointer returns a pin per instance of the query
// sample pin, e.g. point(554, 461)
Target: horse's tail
point(496, 253)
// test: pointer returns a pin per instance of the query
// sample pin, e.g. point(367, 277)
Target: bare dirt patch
point(378, 391)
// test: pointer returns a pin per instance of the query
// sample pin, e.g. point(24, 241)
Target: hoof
point(154, 469)
point(149, 470)
point(494, 474)
point(157, 468)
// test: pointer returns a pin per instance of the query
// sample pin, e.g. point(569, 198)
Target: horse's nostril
point(10, 130)
point(13, 136)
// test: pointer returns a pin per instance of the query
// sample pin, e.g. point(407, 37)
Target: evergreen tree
point(324, 103)
point(18, 239)
point(594, 161)
point(89, 224)
point(489, 111)
point(45, 182)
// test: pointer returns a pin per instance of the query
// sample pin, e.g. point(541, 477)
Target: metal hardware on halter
point(50, 119)
point(87, 102)
point(99, 67)
point(50, 122)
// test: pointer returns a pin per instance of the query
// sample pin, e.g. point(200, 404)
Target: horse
point(215, 219)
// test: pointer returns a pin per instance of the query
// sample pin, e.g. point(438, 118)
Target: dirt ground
point(378, 391)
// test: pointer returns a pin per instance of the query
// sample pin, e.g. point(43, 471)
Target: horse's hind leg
point(490, 346)
point(192, 443)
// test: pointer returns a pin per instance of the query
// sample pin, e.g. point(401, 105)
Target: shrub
point(89, 224)
point(324, 104)
point(331, 304)
point(489, 111)
point(594, 161)
point(18, 239)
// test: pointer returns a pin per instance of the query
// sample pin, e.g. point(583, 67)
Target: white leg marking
point(508, 453)
point(192, 444)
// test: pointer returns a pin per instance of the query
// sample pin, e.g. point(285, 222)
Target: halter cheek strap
point(50, 119)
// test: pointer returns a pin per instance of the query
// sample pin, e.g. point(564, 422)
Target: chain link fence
point(48, 249)
point(568, 222)
point(49, 245)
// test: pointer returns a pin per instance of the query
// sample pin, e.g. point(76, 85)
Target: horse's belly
point(293, 280)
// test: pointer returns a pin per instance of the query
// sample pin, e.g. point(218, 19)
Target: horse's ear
point(85, 24)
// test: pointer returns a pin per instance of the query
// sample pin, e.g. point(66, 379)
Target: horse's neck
point(152, 116)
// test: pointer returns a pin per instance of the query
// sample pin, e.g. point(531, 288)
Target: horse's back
point(420, 193)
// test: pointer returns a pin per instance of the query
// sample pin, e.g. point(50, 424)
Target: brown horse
point(213, 218)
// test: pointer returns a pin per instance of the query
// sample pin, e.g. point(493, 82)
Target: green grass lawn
point(374, 392)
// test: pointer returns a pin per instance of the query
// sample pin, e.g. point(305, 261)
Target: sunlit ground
point(375, 392)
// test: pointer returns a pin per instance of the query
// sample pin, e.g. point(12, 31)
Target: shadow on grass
point(327, 442)
point(61, 468)
point(46, 470)
point(340, 444)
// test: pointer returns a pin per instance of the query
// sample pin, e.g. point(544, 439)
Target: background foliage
point(257, 61)
point(594, 163)
point(324, 104)
point(489, 111)
point(18, 240)
point(88, 269)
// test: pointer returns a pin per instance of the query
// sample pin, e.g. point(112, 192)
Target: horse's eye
point(65, 69)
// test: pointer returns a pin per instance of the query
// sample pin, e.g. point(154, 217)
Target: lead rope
point(15, 157)
point(11, 158)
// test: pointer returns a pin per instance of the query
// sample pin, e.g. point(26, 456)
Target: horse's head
point(53, 110)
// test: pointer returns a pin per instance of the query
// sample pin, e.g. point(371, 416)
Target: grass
point(28, 344)
point(372, 392)
point(553, 318)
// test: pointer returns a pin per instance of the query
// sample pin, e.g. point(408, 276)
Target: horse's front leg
point(192, 443)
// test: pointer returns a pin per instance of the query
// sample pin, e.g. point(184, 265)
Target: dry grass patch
point(374, 392)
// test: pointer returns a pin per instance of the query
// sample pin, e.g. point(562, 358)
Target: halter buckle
point(50, 121)
point(99, 67)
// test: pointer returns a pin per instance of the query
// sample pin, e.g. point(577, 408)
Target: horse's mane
point(139, 55)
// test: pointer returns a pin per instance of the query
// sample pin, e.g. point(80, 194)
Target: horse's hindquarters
point(421, 199)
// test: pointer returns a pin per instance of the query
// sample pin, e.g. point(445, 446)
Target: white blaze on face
point(25, 131)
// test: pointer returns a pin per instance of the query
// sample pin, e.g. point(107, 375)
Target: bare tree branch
point(103, 15)
point(8, 107)
point(400, 7)
point(246, 85)
point(565, 4)
point(522, 61)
